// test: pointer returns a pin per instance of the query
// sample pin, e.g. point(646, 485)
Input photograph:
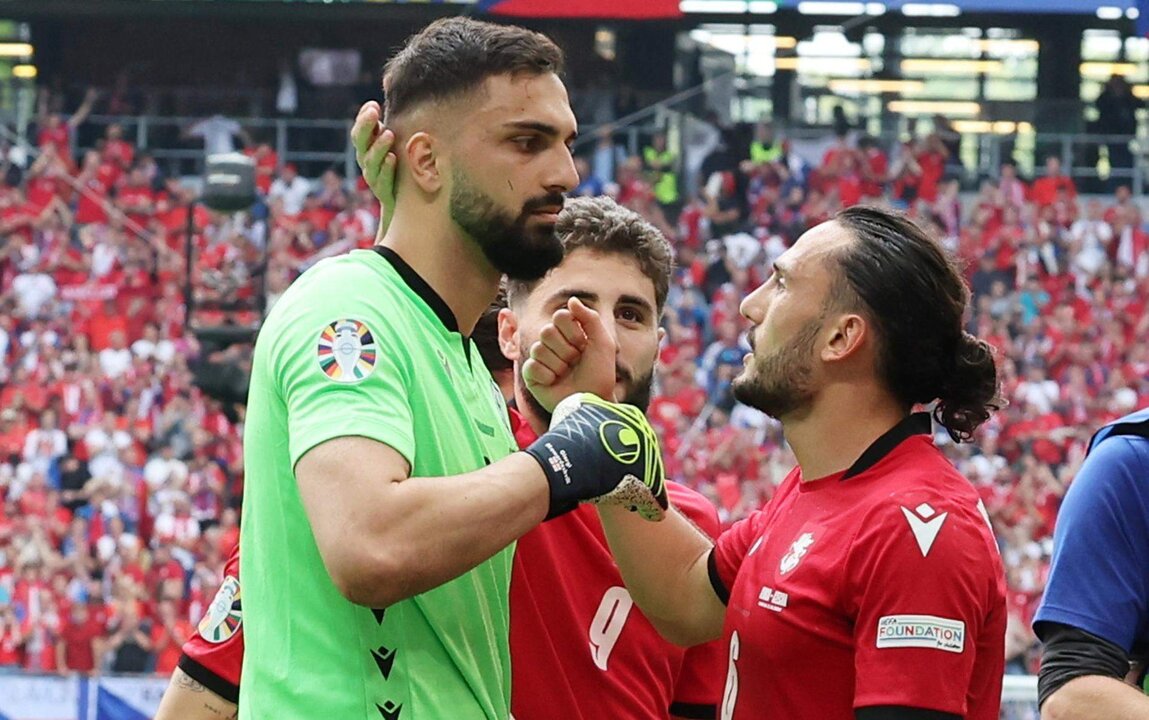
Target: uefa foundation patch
point(921, 631)
point(347, 351)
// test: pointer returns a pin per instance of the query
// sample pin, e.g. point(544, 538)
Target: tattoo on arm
point(213, 704)
point(187, 683)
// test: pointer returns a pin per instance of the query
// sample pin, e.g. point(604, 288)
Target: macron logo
point(925, 523)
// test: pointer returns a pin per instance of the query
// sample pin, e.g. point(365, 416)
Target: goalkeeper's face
point(614, 285)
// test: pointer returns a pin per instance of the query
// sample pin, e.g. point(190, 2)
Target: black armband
point(694, 711)
point(209, 679)
point(720, 588)
point(1070, 653)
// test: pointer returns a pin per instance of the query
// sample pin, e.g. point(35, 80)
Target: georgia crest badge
point(797, 551)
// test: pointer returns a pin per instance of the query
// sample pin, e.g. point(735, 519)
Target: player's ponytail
point(968, 391)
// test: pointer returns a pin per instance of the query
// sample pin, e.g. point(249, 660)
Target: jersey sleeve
point(923, 581)
point(339, 364)
point(698, 688)
point(1097, 581)
point(731, 549)
point(696, 508)
point(213, 655)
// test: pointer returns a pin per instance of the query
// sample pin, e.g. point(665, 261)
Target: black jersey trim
point(437, 304)
point(694, 711)
point(720, 588)
point(209, 679)
point(914, 424)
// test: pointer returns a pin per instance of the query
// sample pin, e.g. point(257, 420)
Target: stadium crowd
point(121, 477)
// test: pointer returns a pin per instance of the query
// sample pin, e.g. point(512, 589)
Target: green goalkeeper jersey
point(360, 345)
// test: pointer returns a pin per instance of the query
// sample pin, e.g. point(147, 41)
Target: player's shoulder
point(1112, 478)
point(359, 273)
point(1117, 455)
point(696, 507)
point(923, 471)
point(921, 497)
point(359, 288)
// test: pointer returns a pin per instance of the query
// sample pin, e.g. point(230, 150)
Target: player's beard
point(637, 393)
point(514, 246)
point(780, 383)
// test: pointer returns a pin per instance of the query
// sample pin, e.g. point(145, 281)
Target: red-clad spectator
point(832, 160)
point(906, 174)
point(13, 431)
point(79, 645)
point(102, 326)
point(47, 180)
point(850, 183)
point(875, 167)
point(169, 633)
point(1046, 188)
point(55, 131)
point(1013, 189)
point(117, 153)
point(95, 181)
point(1007, 241)
point(136, 198)
point(932, 161)
point(266, 161)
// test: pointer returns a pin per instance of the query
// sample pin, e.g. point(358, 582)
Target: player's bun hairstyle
point(453, 56)
point(602, 225)
point(916, 299)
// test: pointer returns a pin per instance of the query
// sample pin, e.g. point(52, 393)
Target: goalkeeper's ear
point(509, 335)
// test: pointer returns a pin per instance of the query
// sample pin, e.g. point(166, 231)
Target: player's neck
point(854, 417)
point(450, 263)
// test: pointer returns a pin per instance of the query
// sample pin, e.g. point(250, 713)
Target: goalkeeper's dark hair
point(453, 56)
point(602, 225)
point(914, 295)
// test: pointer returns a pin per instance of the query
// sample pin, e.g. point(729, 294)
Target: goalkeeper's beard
point(637, 393)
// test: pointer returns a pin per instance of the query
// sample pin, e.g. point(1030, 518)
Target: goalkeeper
point(383, 495)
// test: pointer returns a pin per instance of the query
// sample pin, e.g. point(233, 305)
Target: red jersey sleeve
point(698, 688)
point(926, 581)
point(731, 549)
point(213, 655)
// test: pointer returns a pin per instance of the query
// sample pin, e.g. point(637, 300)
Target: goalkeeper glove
point(601, 452)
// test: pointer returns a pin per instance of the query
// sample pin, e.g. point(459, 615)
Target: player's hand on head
point(602, 452)
point(574, 353)
point(376, 161)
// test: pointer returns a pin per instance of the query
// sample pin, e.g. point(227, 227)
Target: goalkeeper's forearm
point(664, 566)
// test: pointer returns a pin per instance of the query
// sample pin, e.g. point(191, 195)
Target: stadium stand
point(120, 467)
